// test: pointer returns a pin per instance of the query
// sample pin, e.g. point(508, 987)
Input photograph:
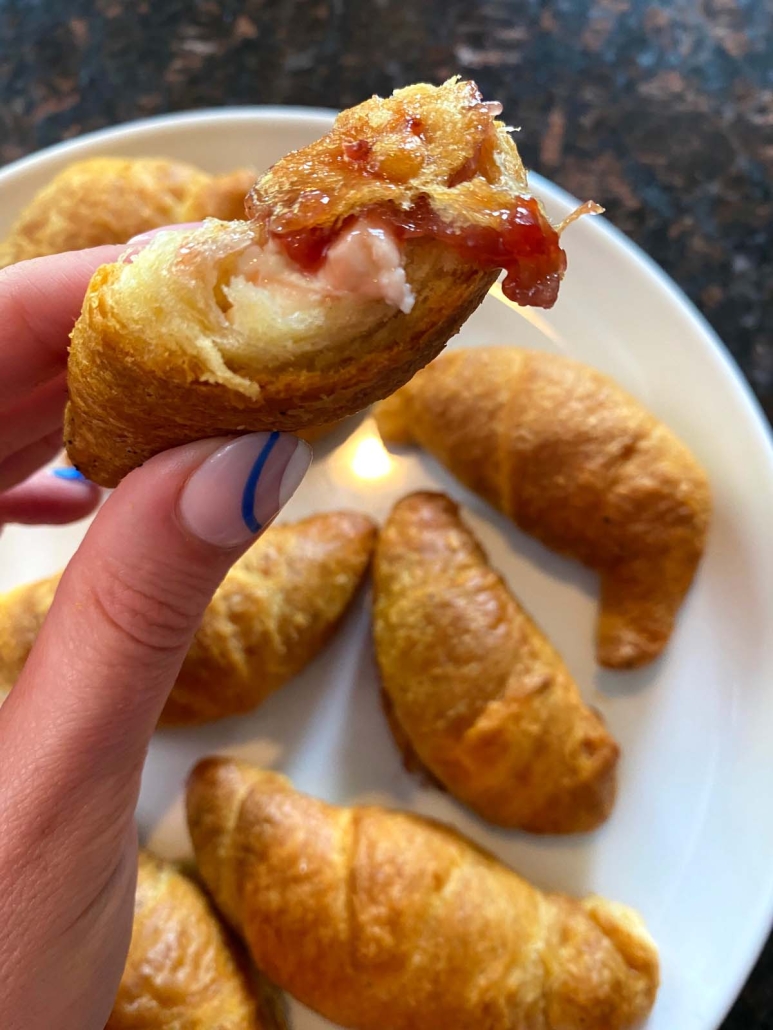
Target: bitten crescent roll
point(183, 971)
point(474, 688)
point(576, 462)
point(315, 433)
point(363, 253)
point(111, 199)
point(275, 610)
point(377, 918)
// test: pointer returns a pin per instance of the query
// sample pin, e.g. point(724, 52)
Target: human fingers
point(39, 414)
point(50, 497)
point(75, 728)
point(39, 303)
point(34, 456)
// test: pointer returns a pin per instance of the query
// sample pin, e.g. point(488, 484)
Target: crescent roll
point(111, 199)
point(578, 463)
point(378, 919)
point(183, 971)
point(363, 253)
point(474, 687)
point(273, 613)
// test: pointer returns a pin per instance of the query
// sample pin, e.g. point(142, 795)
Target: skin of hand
point(75, 729)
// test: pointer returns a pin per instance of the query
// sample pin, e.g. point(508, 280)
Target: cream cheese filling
point(364, 262)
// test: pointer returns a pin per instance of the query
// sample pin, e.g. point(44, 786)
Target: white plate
point(690, 843)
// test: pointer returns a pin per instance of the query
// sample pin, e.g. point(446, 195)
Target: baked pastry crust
point(274, 611)
point(578, 463)
point(477, 691)
point(111, 199)
point(184, 971)
point(377, 918)
point(192, 337)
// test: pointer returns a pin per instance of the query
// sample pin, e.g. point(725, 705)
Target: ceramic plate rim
point(715, 350)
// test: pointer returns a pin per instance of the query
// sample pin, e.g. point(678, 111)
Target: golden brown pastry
point(22, 611)
point(363, 254)
point(314, 433)
point(111, 199)
point(474, 687)
point(576, 462)
point(380, 919)
point(276, 609)
point(273, 613)
point(183, 971)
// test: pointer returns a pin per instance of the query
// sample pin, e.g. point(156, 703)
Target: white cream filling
point(241, 309)
point(364, 262)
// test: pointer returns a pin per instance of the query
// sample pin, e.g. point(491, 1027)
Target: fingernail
point(241, 487)
point(136, 244)
point(68, 472)
point(145, 236)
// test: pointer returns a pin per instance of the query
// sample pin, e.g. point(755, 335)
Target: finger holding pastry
point(274, 611)
point(184, 333)
point(75, 729)
point(363, 254)
point(51, 497)
point(39, 302)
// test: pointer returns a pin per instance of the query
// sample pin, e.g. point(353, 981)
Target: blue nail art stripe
point(67, 472)
point(248, 497)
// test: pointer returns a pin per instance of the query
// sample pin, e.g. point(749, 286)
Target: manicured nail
point(239, 489)
point(68, 472)
point(138, 243)
point(145, 236)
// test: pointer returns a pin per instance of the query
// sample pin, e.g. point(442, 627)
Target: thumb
point(132, 597)
point(74, 729)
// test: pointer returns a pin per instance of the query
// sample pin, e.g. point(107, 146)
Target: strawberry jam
point(518, 239)
point(428, 163)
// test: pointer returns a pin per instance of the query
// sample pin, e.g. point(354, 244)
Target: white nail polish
point(240, 488)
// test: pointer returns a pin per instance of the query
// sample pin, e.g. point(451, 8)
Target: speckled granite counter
point(664, 111)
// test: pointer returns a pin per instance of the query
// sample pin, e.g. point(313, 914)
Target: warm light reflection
point(529, 314)
point(370, 459)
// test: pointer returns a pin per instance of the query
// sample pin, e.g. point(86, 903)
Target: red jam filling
point(357, 150)
point(520, 240)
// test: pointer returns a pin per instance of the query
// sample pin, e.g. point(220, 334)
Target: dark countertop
point(663, 111)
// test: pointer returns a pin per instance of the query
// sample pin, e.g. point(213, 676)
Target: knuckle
point(152, 610)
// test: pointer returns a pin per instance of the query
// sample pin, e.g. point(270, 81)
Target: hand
point(40, 302)
point(75, 728)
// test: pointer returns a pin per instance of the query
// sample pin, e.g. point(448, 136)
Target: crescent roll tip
point(375, 918)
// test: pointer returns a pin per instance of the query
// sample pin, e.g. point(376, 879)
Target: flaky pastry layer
point(111, 199)
point(474, 688)
point(274, 611)
point(184, 970)
point(234, 327)
point(381, 919)
point(578, 463)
